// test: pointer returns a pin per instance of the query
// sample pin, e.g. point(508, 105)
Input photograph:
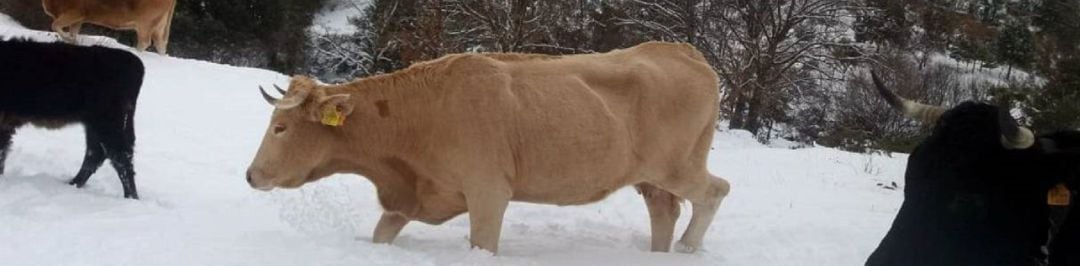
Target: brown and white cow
point(151, 19)
point(471, 132)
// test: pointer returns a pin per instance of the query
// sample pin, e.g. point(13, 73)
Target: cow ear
point(332, 110)
point(1054, 147)
point(1047, 145)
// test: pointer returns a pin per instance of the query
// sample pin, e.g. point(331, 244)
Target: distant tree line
point(794, 69)
point(1040, 37)
point(767, 52)
point(790, 68)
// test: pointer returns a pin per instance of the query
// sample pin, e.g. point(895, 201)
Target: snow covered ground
point(199, 124)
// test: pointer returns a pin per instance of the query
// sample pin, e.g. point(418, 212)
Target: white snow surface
point(199, 124)
point(7, 21)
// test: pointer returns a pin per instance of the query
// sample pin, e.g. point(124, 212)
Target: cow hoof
point(133, 196)
point(77, 184)
point(685, 248)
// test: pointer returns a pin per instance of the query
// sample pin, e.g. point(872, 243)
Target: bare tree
point(515, 25)
point(669, 20)
point(770, 48)
point(768, 52)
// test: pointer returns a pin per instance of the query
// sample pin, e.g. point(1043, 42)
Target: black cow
point(977, 190)
point(1065, 246)
point(55, 84)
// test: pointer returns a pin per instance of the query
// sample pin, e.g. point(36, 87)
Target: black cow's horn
point(922, 112)
point(1014, 136)
point(269, 99)
point(279, 89)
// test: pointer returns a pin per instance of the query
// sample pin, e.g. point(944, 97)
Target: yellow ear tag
point(1058, 196)
point(331, 116)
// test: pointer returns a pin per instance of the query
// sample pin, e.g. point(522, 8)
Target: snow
point(335, 14)
point(199, 124)
point(7, 21)
point(998, 76)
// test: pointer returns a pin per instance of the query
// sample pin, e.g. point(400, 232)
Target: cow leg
point(75, 29)
point(486, 209)
point(92, 160)
point(159, 37)
point(121, 158)
point(64, 21)
point(389, 227)
point(144, 37)
point(159, 41)
point(5, 144)
point(663, 212)
point(116, 136)
point(119, 145)
point(705, 195)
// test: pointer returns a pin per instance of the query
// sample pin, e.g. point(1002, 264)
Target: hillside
point(199, 124)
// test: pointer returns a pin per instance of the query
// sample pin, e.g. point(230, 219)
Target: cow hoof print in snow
point(684, 248)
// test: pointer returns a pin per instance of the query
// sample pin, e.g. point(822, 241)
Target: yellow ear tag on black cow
point(331, 116)
point(1058, 196)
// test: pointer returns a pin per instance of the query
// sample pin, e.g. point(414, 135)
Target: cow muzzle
point(257, 182)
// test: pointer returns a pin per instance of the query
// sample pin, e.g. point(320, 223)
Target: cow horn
point(922, 112)
point(1014, 136)
point(269, 99)
point(279, 89)
point(294, 100)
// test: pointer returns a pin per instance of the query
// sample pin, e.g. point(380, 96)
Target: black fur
point(969, 201)
point(54, 84)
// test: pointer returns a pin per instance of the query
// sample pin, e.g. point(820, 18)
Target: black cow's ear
point(1047, 145)
point(1053, 147)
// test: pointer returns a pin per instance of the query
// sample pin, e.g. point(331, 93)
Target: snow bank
point(9, 29)
point(7, 21)
point(199, 124)
point(998, 76)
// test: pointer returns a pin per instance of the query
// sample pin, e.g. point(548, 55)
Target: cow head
point(963, 119)
point(979, 127)
point(976, 187)
point(304, 132)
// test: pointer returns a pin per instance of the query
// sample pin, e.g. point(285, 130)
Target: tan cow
point(151, 19)
point(471, 132)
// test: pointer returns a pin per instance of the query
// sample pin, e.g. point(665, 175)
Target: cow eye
point(279, 129)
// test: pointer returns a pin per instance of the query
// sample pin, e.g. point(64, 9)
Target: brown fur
point(151, 19)
point(511, 57)
point(12, 121)
point(470, 132)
